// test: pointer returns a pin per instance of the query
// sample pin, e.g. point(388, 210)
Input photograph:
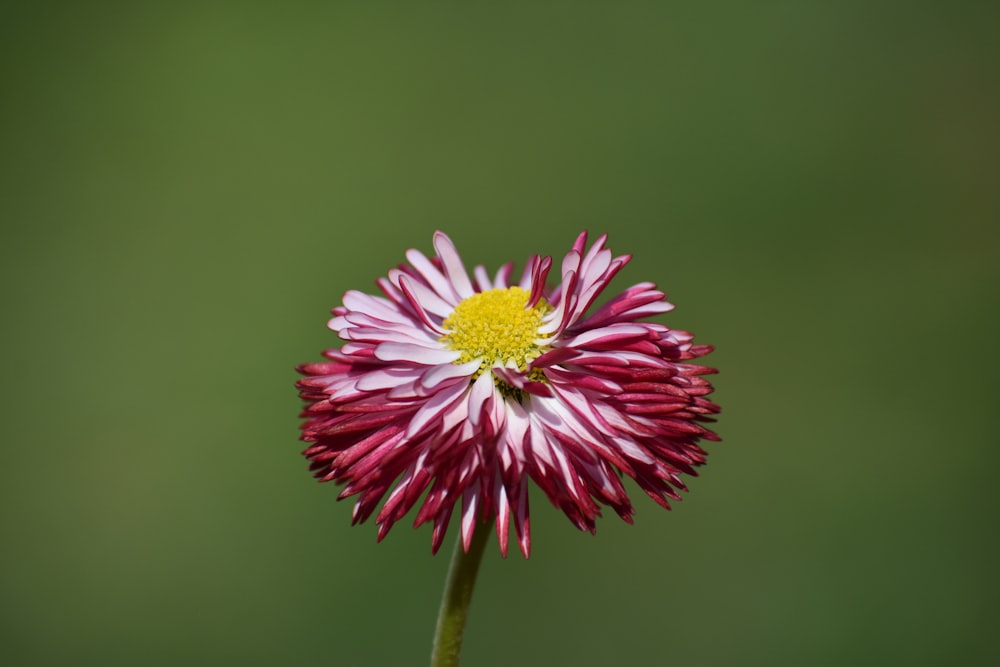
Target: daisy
point(452, 391)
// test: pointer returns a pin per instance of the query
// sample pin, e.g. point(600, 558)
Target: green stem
point(457, 595)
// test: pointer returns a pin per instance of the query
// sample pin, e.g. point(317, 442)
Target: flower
point(457, 390)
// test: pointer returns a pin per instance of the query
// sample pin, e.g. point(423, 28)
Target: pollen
point(498, 327)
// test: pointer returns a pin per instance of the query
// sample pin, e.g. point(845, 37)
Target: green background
point(186, 189)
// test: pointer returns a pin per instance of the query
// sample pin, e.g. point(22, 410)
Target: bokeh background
point(187, 188)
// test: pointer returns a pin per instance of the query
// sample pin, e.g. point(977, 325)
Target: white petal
point(410, 335)
point(596, 262)
point(438, 374)
point(515, 428)
point(502, 278)
point(611, 331)
point(633, 451)
point(417, 354)
point(427, 298)
point(482, 278)
point(482, 390)
point(373, 305)
point(338, 324)
point(449, 398)
point(384, 378)
point(435, 279)
point(453, 266)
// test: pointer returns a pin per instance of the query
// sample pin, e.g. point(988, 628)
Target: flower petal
point(435, 406)
point(453, 266)
point(417, 354)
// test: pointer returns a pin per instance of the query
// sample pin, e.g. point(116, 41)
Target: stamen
point(498, 327)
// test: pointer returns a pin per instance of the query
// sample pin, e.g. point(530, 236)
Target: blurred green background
point(187, 188)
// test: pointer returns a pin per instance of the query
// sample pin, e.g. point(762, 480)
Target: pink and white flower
point(459, 389)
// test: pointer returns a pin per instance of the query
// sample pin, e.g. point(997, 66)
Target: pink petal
point(503, 518)
point(470, 502)
point(522, 522)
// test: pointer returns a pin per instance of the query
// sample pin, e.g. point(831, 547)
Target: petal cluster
point(404, 420)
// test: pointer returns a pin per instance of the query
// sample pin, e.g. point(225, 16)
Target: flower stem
point(457, 595)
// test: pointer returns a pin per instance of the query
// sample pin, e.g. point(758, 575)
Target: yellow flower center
point(498, 327)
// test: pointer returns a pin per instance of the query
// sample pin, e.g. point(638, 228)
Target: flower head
point(459, 389)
